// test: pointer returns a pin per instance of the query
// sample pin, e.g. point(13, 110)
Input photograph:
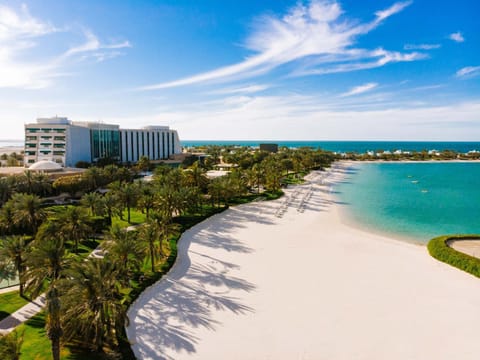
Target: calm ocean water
point(354, 146)
point(415, 201)
point(337, 146)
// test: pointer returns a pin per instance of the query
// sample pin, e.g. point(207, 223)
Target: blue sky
point(273, 70)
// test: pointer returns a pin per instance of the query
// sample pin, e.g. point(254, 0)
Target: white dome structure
point(45, 166)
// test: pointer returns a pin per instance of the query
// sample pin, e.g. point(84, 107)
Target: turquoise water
point(352, 146)
point(414, 201)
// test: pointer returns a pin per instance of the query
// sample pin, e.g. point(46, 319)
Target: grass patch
point(10, 302)
point(136, 218)
point(36, 345)
point(439, 249)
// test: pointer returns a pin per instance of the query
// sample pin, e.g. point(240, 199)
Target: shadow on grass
point(3, 315)
point(37, 322)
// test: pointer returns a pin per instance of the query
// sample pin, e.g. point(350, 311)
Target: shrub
point(439, 249)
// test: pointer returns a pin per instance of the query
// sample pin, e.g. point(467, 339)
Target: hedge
point(439, 249)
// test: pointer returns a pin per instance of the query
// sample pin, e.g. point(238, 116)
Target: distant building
point(67, 142)
point(273, 148)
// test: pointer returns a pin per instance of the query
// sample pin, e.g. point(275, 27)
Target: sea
point(335, 146)
point(352, 146)
point(413, 201)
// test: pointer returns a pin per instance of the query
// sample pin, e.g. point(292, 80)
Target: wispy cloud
point(247, 89)
point(95, 48)
point(360, 89)
point(457, 36)
point(314, 34)
point(313, 117)
point(421, 46)
point(20, 34)
point(468, 72)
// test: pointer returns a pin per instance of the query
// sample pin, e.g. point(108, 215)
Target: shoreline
point(250, 283)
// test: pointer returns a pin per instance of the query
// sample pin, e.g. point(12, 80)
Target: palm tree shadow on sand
point(164, 317)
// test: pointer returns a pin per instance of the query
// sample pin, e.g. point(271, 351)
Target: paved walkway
point(21, 315)
point(9, 289)
point(8, 324)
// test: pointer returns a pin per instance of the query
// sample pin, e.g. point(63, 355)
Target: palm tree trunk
point(152, 256)
point(56, 348)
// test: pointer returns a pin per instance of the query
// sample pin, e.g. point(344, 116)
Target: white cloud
point(360, 89)
point(92, 45)
point(468, 72)
point(457, 36)
point(421, 46)
point(247, 89)
point(395, 8)
point(20, 34)
point(316, 33)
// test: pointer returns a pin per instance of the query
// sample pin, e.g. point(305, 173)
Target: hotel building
point(67, 142)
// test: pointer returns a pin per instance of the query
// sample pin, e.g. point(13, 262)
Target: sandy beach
point(289, 279)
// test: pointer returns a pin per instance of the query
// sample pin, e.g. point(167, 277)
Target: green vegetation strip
point(439, 249)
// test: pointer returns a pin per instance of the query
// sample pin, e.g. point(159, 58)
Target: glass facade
point(105, 144)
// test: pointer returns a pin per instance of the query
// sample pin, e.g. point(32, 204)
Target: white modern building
point(67, 142)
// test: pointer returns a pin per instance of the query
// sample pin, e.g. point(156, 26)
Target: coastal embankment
point(288, 279)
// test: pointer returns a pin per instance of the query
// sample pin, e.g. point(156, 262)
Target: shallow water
point(415, 201)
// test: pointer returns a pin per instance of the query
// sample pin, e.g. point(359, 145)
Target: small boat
point(424, 191)
point(414, 181)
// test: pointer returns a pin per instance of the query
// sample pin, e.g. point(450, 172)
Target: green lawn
point(36, 345)
point(10, 302)
point(136, 217)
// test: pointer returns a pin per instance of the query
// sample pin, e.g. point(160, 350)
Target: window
point(30, 138)
point(59, 138)
point(59, 146)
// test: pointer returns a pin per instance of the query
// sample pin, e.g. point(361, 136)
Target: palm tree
point(146, 199)
point(93, 176)
point(165, 228)
point(45, 265)
point(12, 254)
point(28, 212)
point(74, 226)
point(6, 189)
point(94, 302)
point(110, 203)
point(123, 248)
point(195, 177)
point(92, 201)
point(7, 218)
point(11, 344)
point(149, 233)
point(128, 195)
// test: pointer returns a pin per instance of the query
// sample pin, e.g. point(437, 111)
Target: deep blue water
point(352, 146)
point(416, 201)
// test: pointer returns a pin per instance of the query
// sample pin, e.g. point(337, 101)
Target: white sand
point(250, 285)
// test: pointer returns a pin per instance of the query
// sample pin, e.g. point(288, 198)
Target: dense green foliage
point(440, 250)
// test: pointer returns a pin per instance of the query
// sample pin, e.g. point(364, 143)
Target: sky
point(246, 70)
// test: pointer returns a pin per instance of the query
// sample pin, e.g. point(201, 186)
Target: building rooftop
point(45, 165)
